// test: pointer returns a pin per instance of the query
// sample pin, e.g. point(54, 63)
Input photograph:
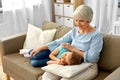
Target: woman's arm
point(54, 44)
point(92, 55)
point(66, 38)
point(95, 47)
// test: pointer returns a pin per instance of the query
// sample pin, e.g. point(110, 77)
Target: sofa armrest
point(115, 75)
point(12, 44)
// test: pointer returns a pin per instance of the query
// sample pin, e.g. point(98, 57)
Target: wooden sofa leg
point(7, 77)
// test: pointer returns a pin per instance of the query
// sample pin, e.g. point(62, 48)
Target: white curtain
point(18, 13)
point(105, 13)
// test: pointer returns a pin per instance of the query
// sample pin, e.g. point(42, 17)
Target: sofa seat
point(22, 65)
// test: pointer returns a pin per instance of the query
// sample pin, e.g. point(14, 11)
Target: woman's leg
point(50, 76)
point(88, 74)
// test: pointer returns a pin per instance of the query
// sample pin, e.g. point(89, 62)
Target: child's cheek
point(62, 61)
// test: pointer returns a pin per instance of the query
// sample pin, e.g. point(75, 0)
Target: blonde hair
point(83, 12)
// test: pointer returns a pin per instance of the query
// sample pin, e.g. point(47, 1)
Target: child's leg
point(39, 63)
point(40, 59)
point(24, 51)
point(28, 53)
point(41, 55)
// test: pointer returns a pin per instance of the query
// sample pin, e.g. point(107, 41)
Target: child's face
point(66, 58)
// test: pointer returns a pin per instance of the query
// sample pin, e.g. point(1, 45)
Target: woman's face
point(82, 24)
point(66, 58)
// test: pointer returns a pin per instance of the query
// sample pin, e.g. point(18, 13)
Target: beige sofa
point(19, 68)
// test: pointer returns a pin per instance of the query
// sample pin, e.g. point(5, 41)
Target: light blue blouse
point(91, 43)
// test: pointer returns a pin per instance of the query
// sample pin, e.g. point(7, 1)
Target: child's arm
point(52, 62)
point(56, 62)
point(53, 55)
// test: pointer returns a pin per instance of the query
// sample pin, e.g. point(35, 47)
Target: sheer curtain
point(42, 10)
point(18, 13)
point(105, 13)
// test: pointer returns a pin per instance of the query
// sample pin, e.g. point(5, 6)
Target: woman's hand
point(67, 46)
point(73, 49)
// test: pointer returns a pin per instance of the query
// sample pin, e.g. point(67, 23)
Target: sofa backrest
point(61, 29)
point(110, 54)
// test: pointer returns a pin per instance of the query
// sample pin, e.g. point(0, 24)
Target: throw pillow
point(36, 37)
point(66, 71)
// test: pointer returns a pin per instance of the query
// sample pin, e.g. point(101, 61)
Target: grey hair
point(83, 12)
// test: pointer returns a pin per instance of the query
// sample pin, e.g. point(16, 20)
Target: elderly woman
point(84, 39)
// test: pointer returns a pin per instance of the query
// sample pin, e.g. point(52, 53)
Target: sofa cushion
point(36, 37)
point(32, 38)
point(47, 25)
point(67, 71)
point(62, 31)
point(110, 55)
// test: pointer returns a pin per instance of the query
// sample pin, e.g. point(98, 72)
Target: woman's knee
point(88, 74)
point(50, 76)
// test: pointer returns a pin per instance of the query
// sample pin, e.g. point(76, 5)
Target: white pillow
point(66, 71)
point(36, 37)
